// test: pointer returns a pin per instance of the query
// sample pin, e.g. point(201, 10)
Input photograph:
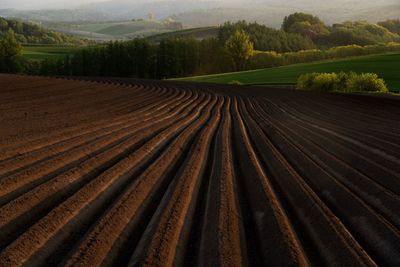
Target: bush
point(265, 60)
point(345, 51)
point(303, 56)
point(366, 82)
point(235, 82)
point(341, 82)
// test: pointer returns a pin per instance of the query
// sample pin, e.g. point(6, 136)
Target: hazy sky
point(43, 4)
point(38, 4)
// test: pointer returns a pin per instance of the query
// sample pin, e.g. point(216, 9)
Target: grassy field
point(42, 52)
point(120, 29)
point(387, 66)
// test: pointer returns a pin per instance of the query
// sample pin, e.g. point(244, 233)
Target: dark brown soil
point(120, 172)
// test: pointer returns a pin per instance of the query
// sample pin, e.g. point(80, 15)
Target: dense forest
point(30, 33)
point(266, 39)
point(238, 46)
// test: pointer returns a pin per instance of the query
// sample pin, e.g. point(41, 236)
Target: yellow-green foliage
point(235, 82)
point(366, 82)
point(268, 59)
point(261, 59)
point(345, 51)
point(341, 82)
point(240, 47)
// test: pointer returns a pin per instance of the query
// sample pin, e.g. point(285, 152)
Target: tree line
point(339, 34)
point(34, 34)
point(10, 53)
point(238, 46)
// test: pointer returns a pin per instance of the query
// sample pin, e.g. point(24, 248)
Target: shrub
point(345, 51)
point(303, 56)
point(366, 82)
point(305, 81)
point(235, 82)
point(341, 82)
point(326, 82)
point(265, 60)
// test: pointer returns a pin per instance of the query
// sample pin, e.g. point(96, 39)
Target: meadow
point(42, 52)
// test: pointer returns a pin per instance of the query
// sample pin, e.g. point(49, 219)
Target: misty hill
point(30, 33)
point(59, 15)
point(272, 15)
point(198, 13)
point(203, 13)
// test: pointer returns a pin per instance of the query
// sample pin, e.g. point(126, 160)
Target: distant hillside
point(60, 15)
point(272, 16)
point(30, 33)
point(196, 33)
point(116, 30)
point(200, 13)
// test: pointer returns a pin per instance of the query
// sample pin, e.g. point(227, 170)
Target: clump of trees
point(34, 34)
point(340, 34)
point(266, 39)
point(392, 25)
point(10, 52)
point(341, 82)
point(305, 24)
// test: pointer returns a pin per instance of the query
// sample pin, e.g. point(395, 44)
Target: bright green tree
point(10, 51)
point(240, 47)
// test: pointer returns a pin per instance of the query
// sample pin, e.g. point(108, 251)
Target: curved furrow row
point(373, 232)
point(164, 241)
point(344, 104)
point(13, 185)
point(16, 214)
point(369, 150)
point(36, 245)
point(365, 141)
point(124, 172)
point(356, 122)
point(271, 237)
point(97, 132)
point(365, 187)
point(145, 99)
point(222, 235)
point(385, 173)
point(387, 177)
point(123, 222)
point(328, 241)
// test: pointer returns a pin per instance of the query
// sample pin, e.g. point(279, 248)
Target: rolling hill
point(116, 30)
point(196, 33)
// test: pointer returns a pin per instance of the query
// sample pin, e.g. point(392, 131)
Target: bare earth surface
point(143, 173)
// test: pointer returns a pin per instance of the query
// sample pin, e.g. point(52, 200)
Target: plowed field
point(143, 173)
